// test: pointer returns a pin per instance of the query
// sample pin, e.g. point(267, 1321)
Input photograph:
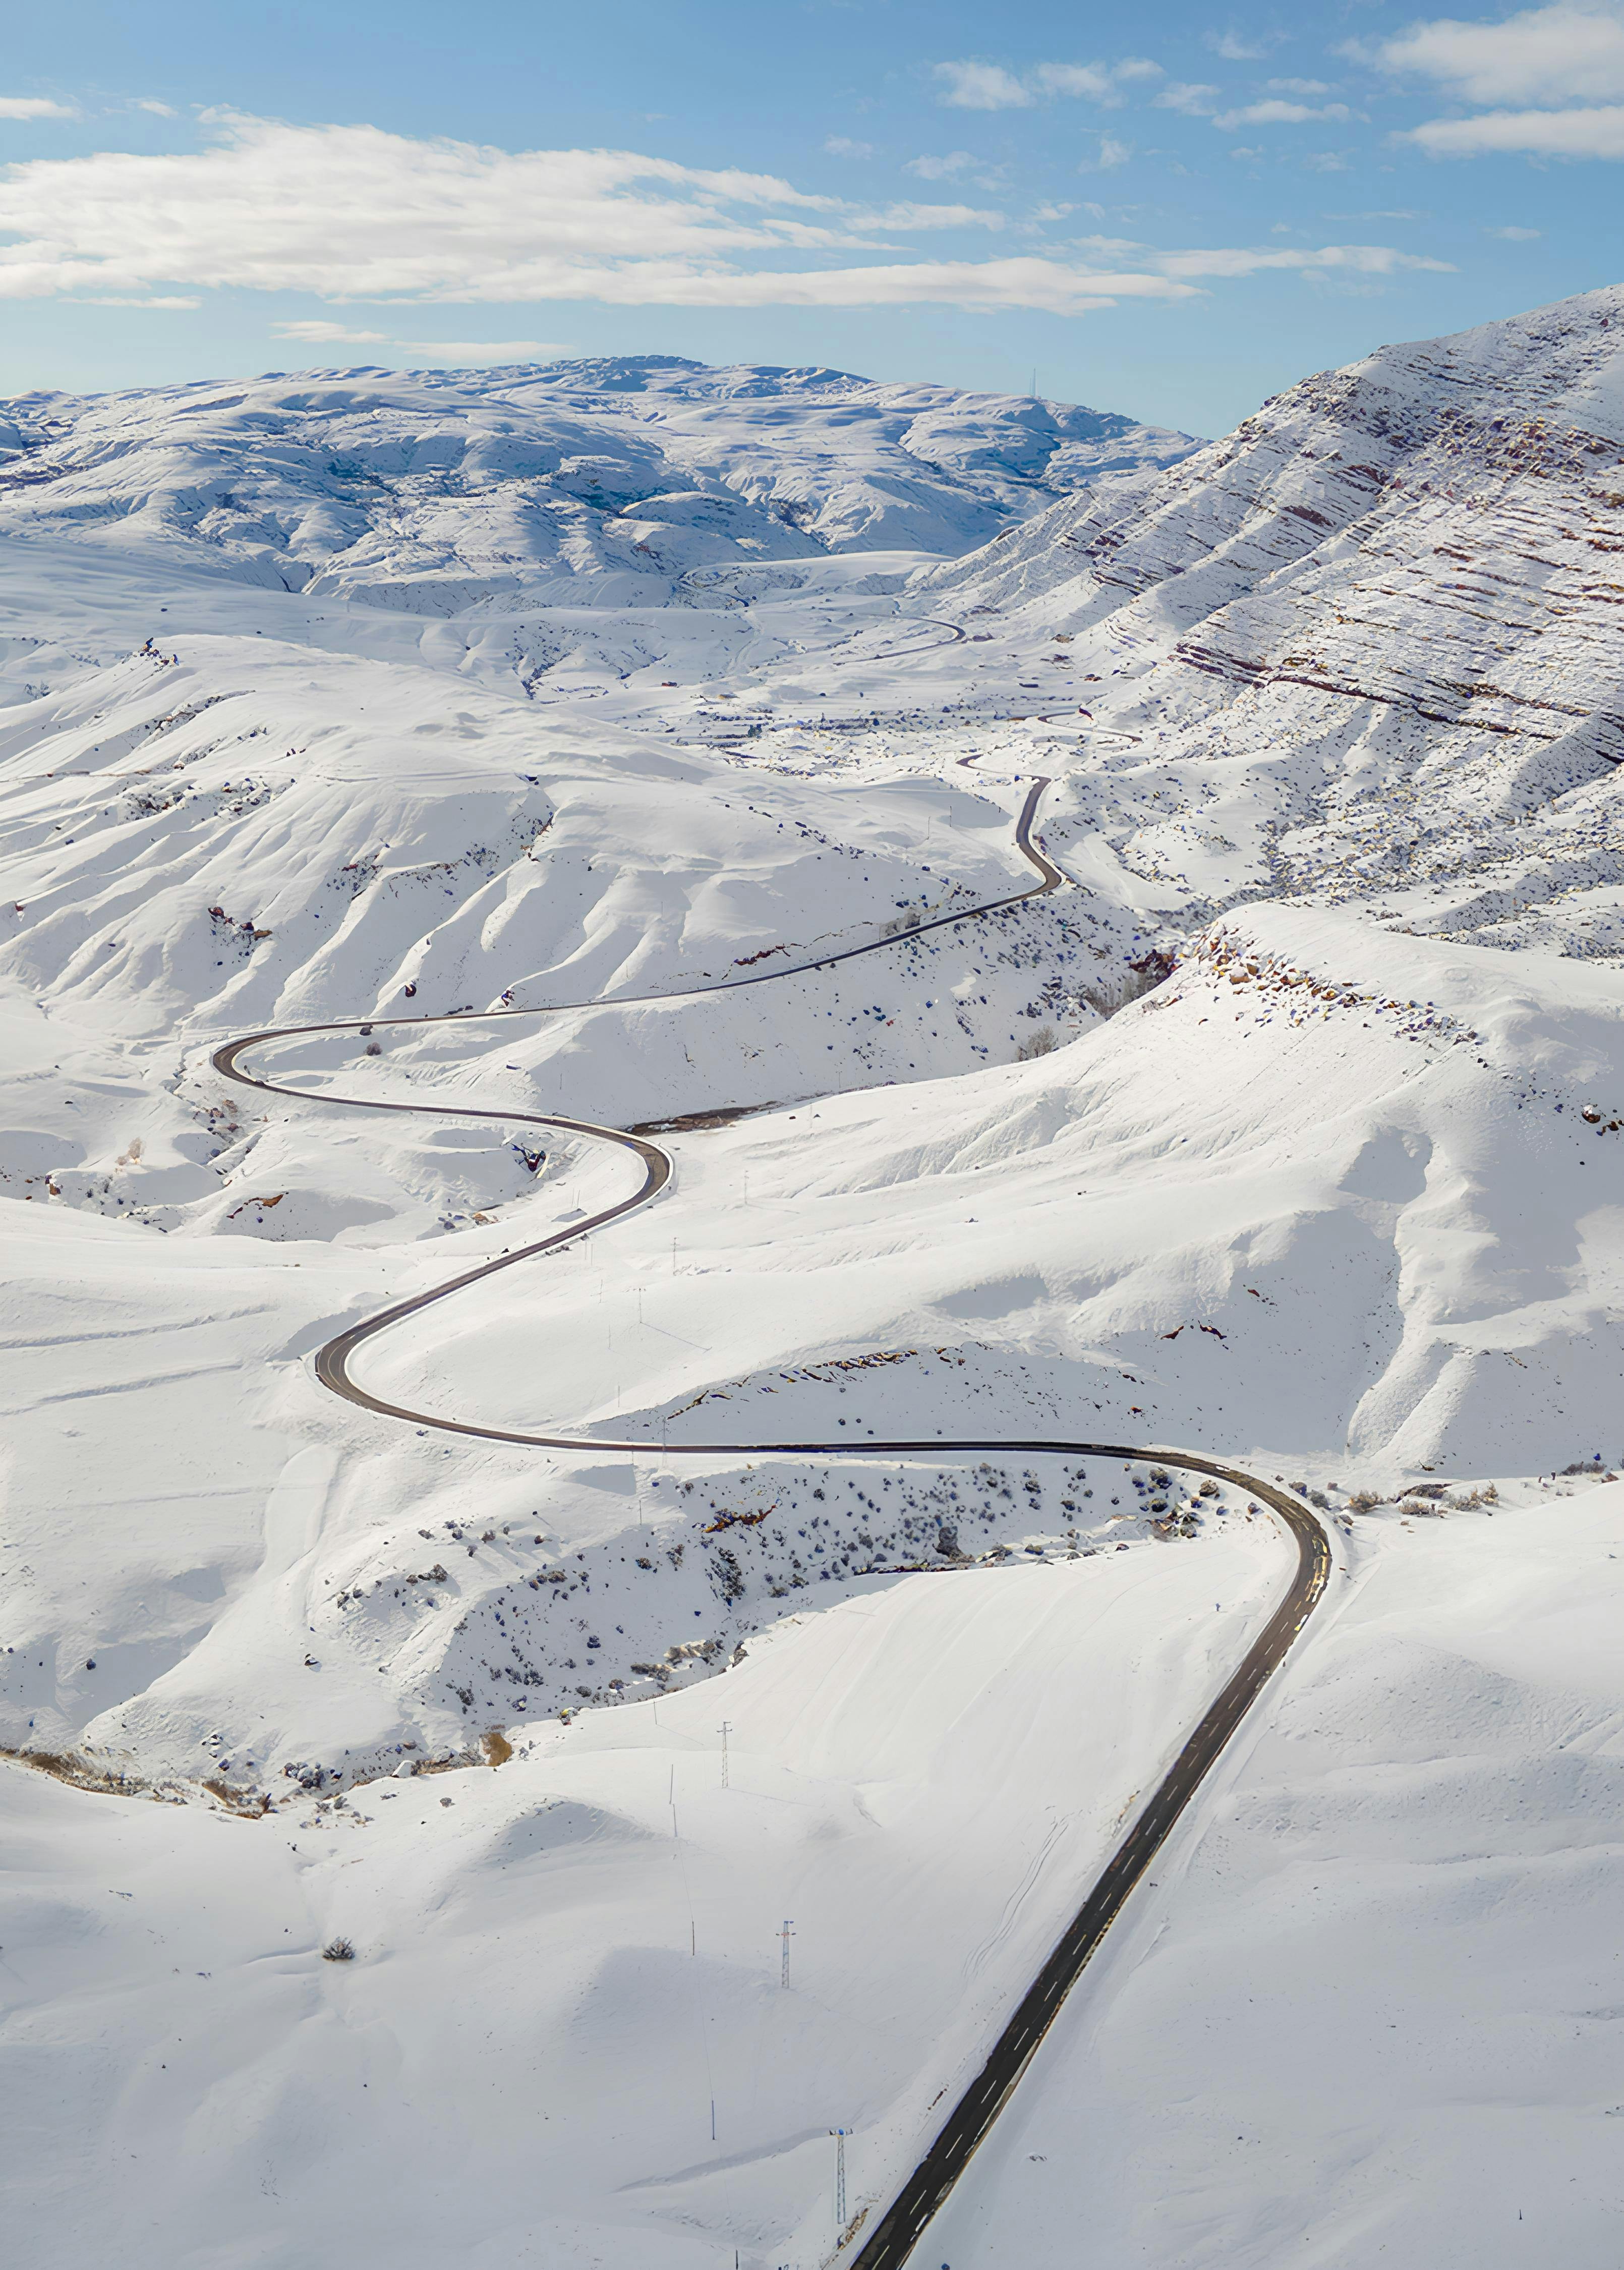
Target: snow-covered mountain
point(588, 692)
point(594, 482)
point(1394, 594)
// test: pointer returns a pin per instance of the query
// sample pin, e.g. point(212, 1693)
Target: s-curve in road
point(332, 1362)
point(890, 2240)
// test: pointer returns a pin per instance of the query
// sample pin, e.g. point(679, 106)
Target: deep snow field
point(1287, 1129)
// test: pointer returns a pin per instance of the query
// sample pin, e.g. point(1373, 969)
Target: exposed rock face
point(1412, 572)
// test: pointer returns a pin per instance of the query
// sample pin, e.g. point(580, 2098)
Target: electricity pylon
point(840, 2136)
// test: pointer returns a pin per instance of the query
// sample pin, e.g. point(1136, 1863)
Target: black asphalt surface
point(891, 2240)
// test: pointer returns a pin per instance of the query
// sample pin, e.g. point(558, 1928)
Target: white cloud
point(315, 334)
point(461, 350)
point(1516, 235)
point(1355, 259)
point(1025, 282)
point(445, 221)
point(1234, 49)
point(942, 169)
point(1076, 79)
point(1569, 54)
point(1195, 102)
point(147, 102)
point(136, 300)
point(34, 105)
point(1275, 113)
point(905, 217)
point(433, 220)
point(840, 145)
point(1328, 162)
point(1110, 248)
point(1559, 54)
point(980, 87)
point(1112, 154)
point(988, 86)
point(1243, 152)
point(1296, 86)
point(1596, 133)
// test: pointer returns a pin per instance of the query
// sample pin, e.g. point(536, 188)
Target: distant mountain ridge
point(599, 481)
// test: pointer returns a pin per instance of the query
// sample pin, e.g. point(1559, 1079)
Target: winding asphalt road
point(891, 2239)
point(332, 1363)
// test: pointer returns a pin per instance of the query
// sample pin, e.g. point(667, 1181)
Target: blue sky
point(1169, 210)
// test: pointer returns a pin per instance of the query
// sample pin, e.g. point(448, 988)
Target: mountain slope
point(594, 483)
point(1407, 574)
point(1200, 1148)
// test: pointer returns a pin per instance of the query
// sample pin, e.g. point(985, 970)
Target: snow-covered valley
point(662, 737)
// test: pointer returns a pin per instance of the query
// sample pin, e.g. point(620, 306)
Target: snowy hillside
point(600, 482)
point(637, 746)
point(1396, 583)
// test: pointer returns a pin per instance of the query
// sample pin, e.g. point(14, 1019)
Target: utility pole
point(785, 1936)
point(840, 2135)
point(724, 1730)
